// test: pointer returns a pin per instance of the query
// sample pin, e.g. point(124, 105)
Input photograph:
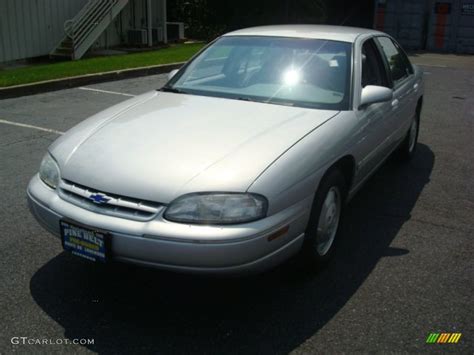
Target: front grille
point(117, 206)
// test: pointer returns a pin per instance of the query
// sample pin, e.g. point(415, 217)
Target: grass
point(35, 73)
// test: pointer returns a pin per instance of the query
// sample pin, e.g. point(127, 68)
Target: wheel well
point(346, 165)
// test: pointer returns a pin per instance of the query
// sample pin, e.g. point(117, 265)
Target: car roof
point(335, 33)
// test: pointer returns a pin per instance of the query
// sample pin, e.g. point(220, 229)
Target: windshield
point(290, 71)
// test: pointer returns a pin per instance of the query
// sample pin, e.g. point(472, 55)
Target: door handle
point(395, 103)
point(415, 86)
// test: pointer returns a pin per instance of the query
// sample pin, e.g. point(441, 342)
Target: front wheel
point(408, 146)
point(326, 214)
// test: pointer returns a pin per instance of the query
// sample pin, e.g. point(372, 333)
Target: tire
point(408, 146)
point(319, 242)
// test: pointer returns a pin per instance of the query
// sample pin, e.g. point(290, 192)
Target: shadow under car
point(128, 309)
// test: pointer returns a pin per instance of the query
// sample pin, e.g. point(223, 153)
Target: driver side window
point(373, 71)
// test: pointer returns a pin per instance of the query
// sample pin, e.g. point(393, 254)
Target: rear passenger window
point(400, 67)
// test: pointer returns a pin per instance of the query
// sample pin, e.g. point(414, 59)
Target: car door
point(403, 83)
point(373, 119)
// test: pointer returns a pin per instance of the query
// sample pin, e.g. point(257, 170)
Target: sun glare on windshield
point(291, 77)
point(301, 72)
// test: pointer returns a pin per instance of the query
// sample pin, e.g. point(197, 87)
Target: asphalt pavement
point(403, 269)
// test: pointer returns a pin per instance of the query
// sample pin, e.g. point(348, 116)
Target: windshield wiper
point(242, 98)
point(172, 89)
point(269, 101)
point(282, 103)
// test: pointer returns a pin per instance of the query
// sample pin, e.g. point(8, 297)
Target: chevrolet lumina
point(245, 157)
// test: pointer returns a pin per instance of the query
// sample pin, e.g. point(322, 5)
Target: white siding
point(31, 28)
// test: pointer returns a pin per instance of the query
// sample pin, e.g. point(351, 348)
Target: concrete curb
point(75, 81)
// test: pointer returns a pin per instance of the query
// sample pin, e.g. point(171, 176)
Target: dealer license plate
point(84, 242)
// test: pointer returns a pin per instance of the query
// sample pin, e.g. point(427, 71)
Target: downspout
point(149, 19)
point(165, 19)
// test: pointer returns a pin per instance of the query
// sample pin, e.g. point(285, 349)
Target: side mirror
point(172, 73)
point(372, 94)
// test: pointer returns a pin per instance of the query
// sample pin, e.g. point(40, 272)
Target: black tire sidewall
point(405, 148)
point(309, 254)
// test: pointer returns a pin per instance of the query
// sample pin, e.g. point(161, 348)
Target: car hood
point(158, 146)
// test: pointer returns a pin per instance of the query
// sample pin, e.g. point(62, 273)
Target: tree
point(206, 19)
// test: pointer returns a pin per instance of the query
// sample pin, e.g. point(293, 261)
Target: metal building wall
point(451, 27)
point(31, 28)
point(464, 42)
point(436, 25)
point(404, 20)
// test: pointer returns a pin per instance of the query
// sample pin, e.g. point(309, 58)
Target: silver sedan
point(243, 159)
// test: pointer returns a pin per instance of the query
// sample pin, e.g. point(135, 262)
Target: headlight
point(49, 171)
point(217, 208)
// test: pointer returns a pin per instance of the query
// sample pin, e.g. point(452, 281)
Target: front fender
point(296, 174)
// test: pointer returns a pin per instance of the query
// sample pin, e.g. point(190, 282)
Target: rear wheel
point(326, 213)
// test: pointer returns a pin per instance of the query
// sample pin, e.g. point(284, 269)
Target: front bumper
point(181, 247)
